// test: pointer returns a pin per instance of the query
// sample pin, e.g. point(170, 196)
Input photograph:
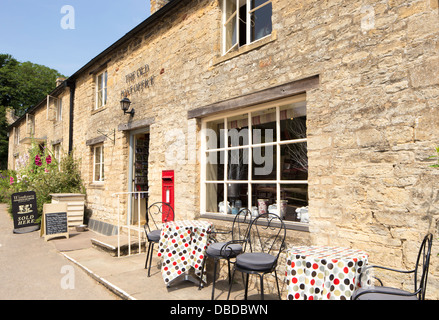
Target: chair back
point(158, 212)
point(241, 224)
point(267, 234)
point(422, 265)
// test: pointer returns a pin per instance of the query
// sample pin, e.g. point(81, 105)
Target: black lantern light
point(125, 105)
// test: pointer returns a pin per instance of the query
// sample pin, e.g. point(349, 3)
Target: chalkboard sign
point(54, 223)
point(24, 211)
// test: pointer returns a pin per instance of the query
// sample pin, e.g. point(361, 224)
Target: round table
point(324, 273)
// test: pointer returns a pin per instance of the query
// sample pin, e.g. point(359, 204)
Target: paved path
point(32, 269)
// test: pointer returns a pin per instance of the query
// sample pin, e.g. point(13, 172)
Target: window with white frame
point(101, 90)
point(256, 159)
point(59, 110)
point(17, 136)
point(98, 163)
point(245, 21)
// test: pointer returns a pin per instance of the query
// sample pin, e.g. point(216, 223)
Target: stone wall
point(47, 129)
point(372, 122)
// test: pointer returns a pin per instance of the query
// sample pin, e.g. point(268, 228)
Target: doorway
point(138, 177)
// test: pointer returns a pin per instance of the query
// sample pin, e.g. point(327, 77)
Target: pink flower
point(11, 180)
point(45, 170)
point(49, 159)
point(38, 160)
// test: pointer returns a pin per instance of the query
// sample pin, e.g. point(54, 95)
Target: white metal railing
point(127, 223)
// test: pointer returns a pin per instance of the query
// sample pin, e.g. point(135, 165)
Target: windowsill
point(289, 225)
point(244, 49)
point(98, 110)
point(96, 185)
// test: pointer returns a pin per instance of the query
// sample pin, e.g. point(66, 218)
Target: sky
point(65, 34)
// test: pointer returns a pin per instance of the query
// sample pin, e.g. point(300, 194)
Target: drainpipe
point(72, 85)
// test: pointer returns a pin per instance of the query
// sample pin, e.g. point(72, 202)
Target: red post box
point(168, 193)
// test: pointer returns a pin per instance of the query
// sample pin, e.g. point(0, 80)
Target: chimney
point(157, 5)
point(10, 115)
point(59, 81)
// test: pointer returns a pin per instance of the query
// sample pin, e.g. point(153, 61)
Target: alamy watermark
point(182, 150)
point(68, 281)
point(68, 20)
point(368, 18)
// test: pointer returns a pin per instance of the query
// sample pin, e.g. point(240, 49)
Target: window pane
point(263, 196)
point(264, 163)
point(102, 163)
point(215, 197)
point(215, 134)
point(230, 23)
point(264, 126)
point(294, 161)
point(99, 82)
point(237, 130)
point(104, 97)
point(260, 20)
point(99, 96)
point(296, 196)
point(97, 155)
point(97, 176)
point(104, 93)
point(237, 196)
point(215, 165)
point(237, 165)
point(293, 121)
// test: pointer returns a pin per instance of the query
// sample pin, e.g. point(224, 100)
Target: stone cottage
point(329, 105)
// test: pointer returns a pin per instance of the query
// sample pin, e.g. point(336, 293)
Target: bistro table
point(182, 246)
point(324, 273)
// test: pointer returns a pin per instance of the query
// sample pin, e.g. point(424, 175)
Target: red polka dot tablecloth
point(324, 273)
point(182, 246)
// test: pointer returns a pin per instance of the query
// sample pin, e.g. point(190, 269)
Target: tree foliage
point(22, 85)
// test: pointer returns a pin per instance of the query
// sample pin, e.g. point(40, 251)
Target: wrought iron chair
point(265, 242)
point(389, 293)
point(161, 211)
point(228, 250)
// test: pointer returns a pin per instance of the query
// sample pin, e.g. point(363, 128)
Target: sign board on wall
point(54, 222)
point(24, 212)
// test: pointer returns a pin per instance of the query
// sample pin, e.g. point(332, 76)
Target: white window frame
point(204, 151)
point(102, 92)
point(226, 20)
point(98, 149)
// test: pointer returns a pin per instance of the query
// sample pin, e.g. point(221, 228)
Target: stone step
point(109, 244)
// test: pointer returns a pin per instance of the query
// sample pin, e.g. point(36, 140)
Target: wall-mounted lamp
point(125, 105)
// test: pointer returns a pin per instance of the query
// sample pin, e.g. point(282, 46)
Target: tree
point(3, 139)
point(22, 85)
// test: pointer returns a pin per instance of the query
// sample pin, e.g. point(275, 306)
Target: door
point(139, 155)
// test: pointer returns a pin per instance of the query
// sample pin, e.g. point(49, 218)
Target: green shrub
point(40, 172)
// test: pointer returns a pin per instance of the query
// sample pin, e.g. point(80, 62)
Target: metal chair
point(265, 241)
point(161, 211)
point(389, 293)
point(230, 249)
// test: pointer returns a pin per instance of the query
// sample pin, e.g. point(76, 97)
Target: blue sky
point(32, 30)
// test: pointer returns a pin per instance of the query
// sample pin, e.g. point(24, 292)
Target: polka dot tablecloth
point(324, 273)
point(182, 246)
